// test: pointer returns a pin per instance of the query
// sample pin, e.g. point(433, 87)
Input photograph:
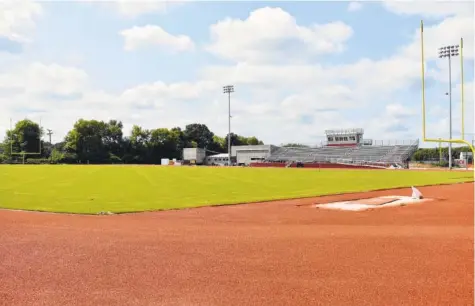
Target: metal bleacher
point(384, 154)
point(399, 153)
point(369, 153)
point(308, 155)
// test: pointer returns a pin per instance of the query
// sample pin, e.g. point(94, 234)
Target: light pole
point(50, 132)
point(449, 52)
point(229, 89)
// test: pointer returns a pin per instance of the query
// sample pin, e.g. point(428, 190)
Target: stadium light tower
point(228, 89)
point(449, 52)
point(50, 132)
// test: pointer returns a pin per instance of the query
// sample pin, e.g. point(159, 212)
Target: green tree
point(56, 156)
point(198, 133)
point(86, 140)
point(218, 145)
point(104, 142)
point(25, 137)
point(295, 145)
point(238, 140)
point(163, 144)
point(180, 138)
point(139, 145)
point(113, 138)
point(253, 141)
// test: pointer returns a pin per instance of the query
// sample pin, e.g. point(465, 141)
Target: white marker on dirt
point(374, 203)
point(416, 194)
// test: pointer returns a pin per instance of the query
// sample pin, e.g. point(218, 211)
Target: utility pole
point(50, 132)
point(449, 52)
point(229, 89)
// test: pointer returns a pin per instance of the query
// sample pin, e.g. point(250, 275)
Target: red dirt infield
point(274, 253)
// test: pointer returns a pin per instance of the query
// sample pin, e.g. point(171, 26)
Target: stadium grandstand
point(345, 148)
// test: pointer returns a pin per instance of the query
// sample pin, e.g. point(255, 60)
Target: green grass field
point(91, 189)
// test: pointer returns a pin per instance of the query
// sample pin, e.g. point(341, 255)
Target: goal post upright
point(439, 140)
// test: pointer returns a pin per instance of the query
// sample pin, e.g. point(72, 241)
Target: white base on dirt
point(348, 205)
point(416, 194)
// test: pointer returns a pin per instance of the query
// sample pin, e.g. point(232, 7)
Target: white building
point(194, 155)
point(466, 155)
point(244, 155)
point(240, 155)
point(218, 159)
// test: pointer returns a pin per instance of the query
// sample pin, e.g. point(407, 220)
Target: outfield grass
point(91, 189)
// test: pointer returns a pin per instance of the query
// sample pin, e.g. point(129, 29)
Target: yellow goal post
point(439, 140)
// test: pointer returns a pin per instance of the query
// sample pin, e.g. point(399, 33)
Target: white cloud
point(152, 35)
point(158, 94)
point(469, 109)
point(18, 19)
point(380, 78)
point(396, 123)
point(399, 110)
point(430, 9)
point(447, 32)
point(438, 115)
point(354, 6)
point(457, 22)
point(39, 78)
point(60, 95)
point(278, 97)
point(301, 87)
point(270, 34)
point(265, 75)
point(133, 8)
point(325, 99)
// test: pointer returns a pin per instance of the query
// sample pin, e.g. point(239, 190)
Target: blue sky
point(298, 67)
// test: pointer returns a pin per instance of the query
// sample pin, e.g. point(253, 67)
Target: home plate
point(377, 202)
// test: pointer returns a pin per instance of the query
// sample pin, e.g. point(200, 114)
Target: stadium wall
point(313, 165)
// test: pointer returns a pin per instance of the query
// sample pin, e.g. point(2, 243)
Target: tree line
point(93, 141)
point(436, 154)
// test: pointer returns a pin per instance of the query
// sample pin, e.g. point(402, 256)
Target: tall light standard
point(229, 89)
point(50, 132)
point(449, 52)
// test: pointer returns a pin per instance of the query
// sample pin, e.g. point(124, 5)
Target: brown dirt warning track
point(274, 253)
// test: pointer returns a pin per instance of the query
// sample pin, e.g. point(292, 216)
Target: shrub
point(56, 156)
point(38, 161)
point(114, 159)
point(443, 164)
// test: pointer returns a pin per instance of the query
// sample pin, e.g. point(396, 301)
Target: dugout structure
point(31, 135)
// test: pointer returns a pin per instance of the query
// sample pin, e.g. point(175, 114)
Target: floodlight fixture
point(228, 89)
point(449, 51)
